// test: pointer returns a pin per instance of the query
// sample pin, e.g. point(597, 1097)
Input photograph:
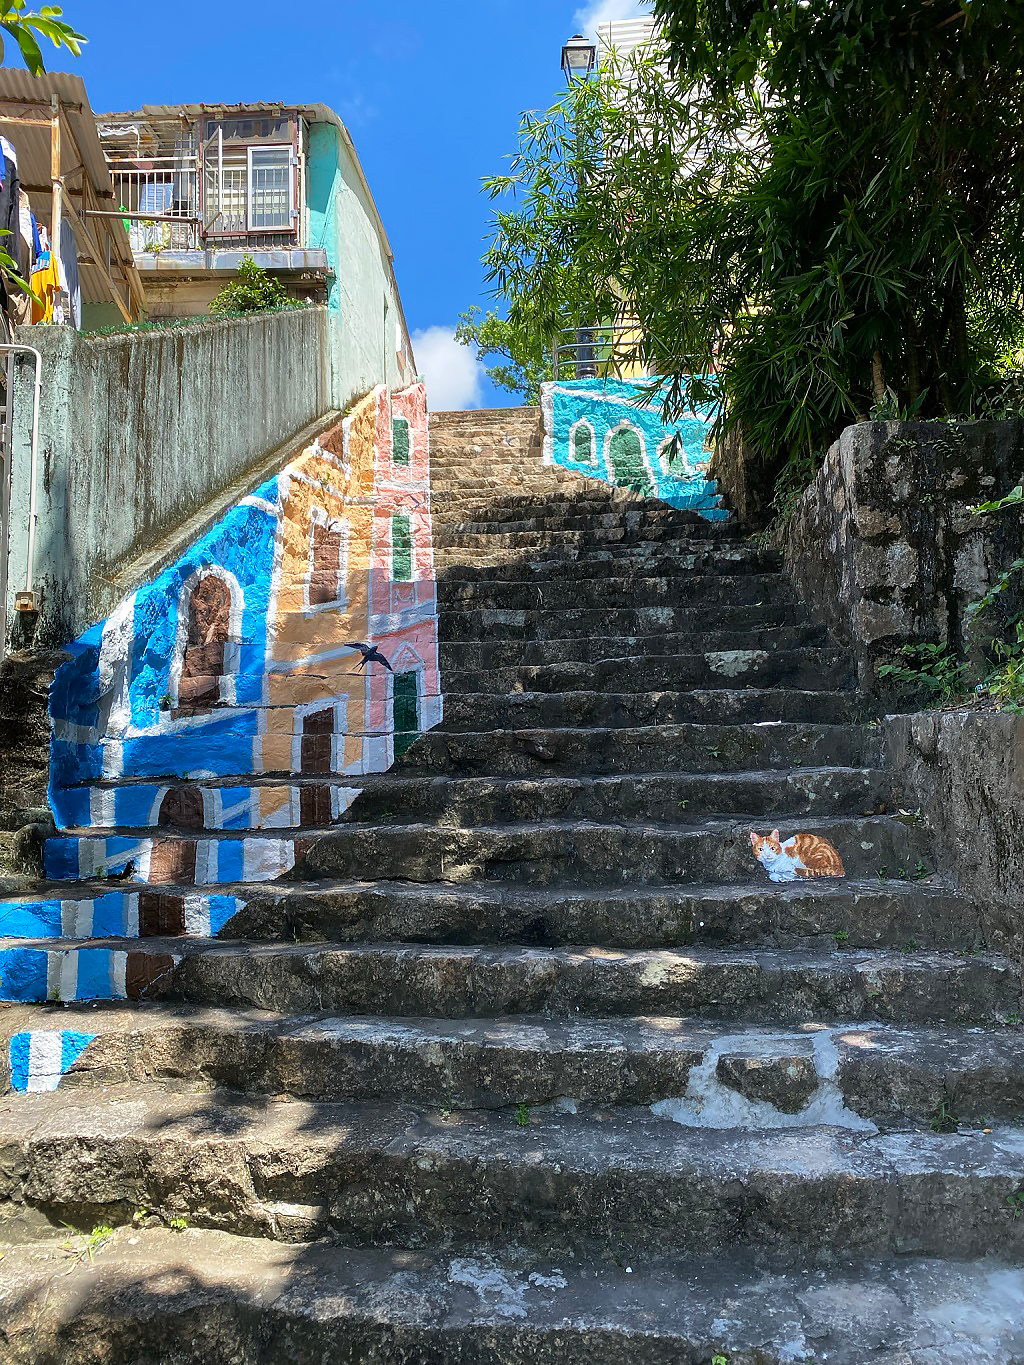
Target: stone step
point(536, 852)
point(720, 705)
point(816, 670)
point(492, 1307)
point(241, 802)
point(699, 589)
point(396, 1175)
point(703, 1075)
point(671, 797)
point(899, 914)
point(550, 515)
point(582, 853)
point(646, 558)
point(463, 655)
point(563, 532)
point(457, 981)
point(711, 748)
point(245, 803)
point(521, 624)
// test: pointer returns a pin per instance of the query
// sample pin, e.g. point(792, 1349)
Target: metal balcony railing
point(169, 189)
point(616, 351)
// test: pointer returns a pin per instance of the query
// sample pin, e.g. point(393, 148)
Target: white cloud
point(607, 11)
point(451, 372)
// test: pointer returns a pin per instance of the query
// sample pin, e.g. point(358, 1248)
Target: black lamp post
point(579, 57)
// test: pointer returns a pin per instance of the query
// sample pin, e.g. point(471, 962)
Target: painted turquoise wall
point(365, 313)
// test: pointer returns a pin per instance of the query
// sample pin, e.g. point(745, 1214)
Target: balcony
point(202, 186)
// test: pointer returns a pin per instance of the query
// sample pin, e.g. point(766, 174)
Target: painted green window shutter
point(583, 444)
point(406, 712)
point(401, 548)
point(400, 443)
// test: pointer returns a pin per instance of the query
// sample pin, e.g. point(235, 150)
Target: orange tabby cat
point(802, 855)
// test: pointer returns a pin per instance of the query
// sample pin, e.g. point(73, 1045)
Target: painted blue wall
point(607, 406)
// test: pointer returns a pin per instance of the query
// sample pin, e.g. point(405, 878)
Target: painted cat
point(802, 855)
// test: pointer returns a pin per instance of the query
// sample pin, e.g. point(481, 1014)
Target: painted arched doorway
point(206, 640)
point(626, 457)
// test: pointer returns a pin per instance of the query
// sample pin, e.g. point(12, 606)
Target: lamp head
point(579, 57)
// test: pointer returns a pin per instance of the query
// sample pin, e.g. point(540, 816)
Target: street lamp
point(578, 61)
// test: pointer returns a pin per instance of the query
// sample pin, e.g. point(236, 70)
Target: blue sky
point(431, 93)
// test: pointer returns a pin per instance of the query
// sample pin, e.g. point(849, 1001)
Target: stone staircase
point(527, 1062)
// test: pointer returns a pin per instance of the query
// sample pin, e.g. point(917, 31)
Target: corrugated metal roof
point(29, 96)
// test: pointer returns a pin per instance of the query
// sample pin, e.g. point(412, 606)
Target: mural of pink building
point(403, 593)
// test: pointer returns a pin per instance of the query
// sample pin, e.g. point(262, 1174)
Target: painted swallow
point(371, 654)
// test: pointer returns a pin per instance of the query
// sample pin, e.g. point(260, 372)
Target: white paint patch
point(495, 1287)
point(44, 1060)
point(556, 1280)
point(710, 1104)
point(731, 662)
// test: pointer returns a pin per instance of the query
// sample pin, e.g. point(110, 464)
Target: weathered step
point(828, 669)
point(240, 802)
point(904, 915)
point(664, 797)
point(503, 653)
point(695, 622)
point(701, 1074)
point(511, 1308)
point(710, 748)
point(895, 914)
point(609, 591)
point(387, 1174)
point(720, 705)
point(644, 558)
point(593, 853)
point(583, 533)
point(155, 858)
point(753, 985)
point(573, 518)
point(496, 1307)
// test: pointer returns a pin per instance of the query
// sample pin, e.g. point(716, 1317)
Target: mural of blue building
point(609, 429)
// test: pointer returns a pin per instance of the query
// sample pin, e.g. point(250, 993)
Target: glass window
point(270, 188)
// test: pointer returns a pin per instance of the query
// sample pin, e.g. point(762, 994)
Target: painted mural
point(225, 713)
point(606, 429)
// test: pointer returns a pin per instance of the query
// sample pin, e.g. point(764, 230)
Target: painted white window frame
point(319, 517)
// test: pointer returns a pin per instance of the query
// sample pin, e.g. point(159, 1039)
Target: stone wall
point(964, 770)
point(883, 546)
point(139, 431)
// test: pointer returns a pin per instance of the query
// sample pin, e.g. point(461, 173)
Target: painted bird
point(371, 654)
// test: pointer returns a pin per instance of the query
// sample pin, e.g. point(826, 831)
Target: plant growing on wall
point(253, 290)
point(823, 206)
point(26, 27)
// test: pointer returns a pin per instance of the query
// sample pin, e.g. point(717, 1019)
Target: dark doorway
point(317, 741)
point(172, 863)
point(405, 711)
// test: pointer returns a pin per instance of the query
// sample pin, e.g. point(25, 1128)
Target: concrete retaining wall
point(883, 546)
point(964, 770)
point(139, 431)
